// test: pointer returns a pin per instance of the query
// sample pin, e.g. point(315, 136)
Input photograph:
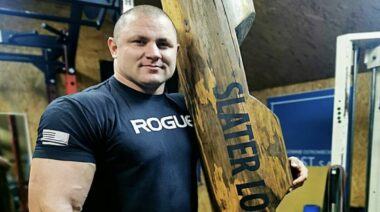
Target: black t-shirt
point(143, 147)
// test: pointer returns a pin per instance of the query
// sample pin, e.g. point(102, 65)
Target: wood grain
point(241, 143)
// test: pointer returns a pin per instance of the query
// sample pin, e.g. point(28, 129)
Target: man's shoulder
point(178, 99)
point(97, 92)
point(96, 96)
point(177, 96)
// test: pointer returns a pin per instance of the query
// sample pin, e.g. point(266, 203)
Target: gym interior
point(315, 65)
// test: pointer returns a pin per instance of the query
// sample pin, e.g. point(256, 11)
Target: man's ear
point(112, 47)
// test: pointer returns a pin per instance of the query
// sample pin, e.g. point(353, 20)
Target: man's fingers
point(302, 175)
point(299, 181)
point(300, 172)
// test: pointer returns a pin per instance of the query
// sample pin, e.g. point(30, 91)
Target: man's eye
point(163, 45)
point(140, 42)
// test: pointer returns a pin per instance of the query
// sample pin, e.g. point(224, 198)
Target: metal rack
point(346, 70)
point(59, 51)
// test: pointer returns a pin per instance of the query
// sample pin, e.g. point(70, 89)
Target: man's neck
point(153, 91)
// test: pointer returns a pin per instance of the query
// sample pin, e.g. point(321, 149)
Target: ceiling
point(293, 41)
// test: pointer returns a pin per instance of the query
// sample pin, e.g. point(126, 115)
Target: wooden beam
point(240, 139)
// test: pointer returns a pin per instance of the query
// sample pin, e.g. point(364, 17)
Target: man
point(122, 145)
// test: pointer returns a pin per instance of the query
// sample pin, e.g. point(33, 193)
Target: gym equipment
point(6, 197)
point(372, 60)
point(334, 189)
point(346, 70)
point(48, 62)
point(15, 147)
point(64, 44)
point(242, 149)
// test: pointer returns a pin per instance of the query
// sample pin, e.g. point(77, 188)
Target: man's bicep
point(59, 185)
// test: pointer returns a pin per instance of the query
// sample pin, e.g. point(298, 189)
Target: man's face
point(145, 52)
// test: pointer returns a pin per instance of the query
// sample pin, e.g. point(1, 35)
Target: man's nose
point(152, 51)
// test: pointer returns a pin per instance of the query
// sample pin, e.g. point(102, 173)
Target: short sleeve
point(67, 131)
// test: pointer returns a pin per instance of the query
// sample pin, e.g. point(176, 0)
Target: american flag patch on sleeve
point(54, 137)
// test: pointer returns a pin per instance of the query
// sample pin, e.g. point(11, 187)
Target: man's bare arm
point(56, 185)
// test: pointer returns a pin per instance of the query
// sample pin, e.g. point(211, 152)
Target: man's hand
point(299, 172)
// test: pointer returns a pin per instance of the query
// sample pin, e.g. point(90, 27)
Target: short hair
point(147, 10)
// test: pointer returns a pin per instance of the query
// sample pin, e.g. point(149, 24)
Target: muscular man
point(122, 145)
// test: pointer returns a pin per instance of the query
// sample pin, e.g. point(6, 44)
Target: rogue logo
point(157, 124)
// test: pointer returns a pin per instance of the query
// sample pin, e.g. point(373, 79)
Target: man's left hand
point(299, 172)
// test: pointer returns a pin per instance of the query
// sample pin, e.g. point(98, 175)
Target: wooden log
point(241, 142)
